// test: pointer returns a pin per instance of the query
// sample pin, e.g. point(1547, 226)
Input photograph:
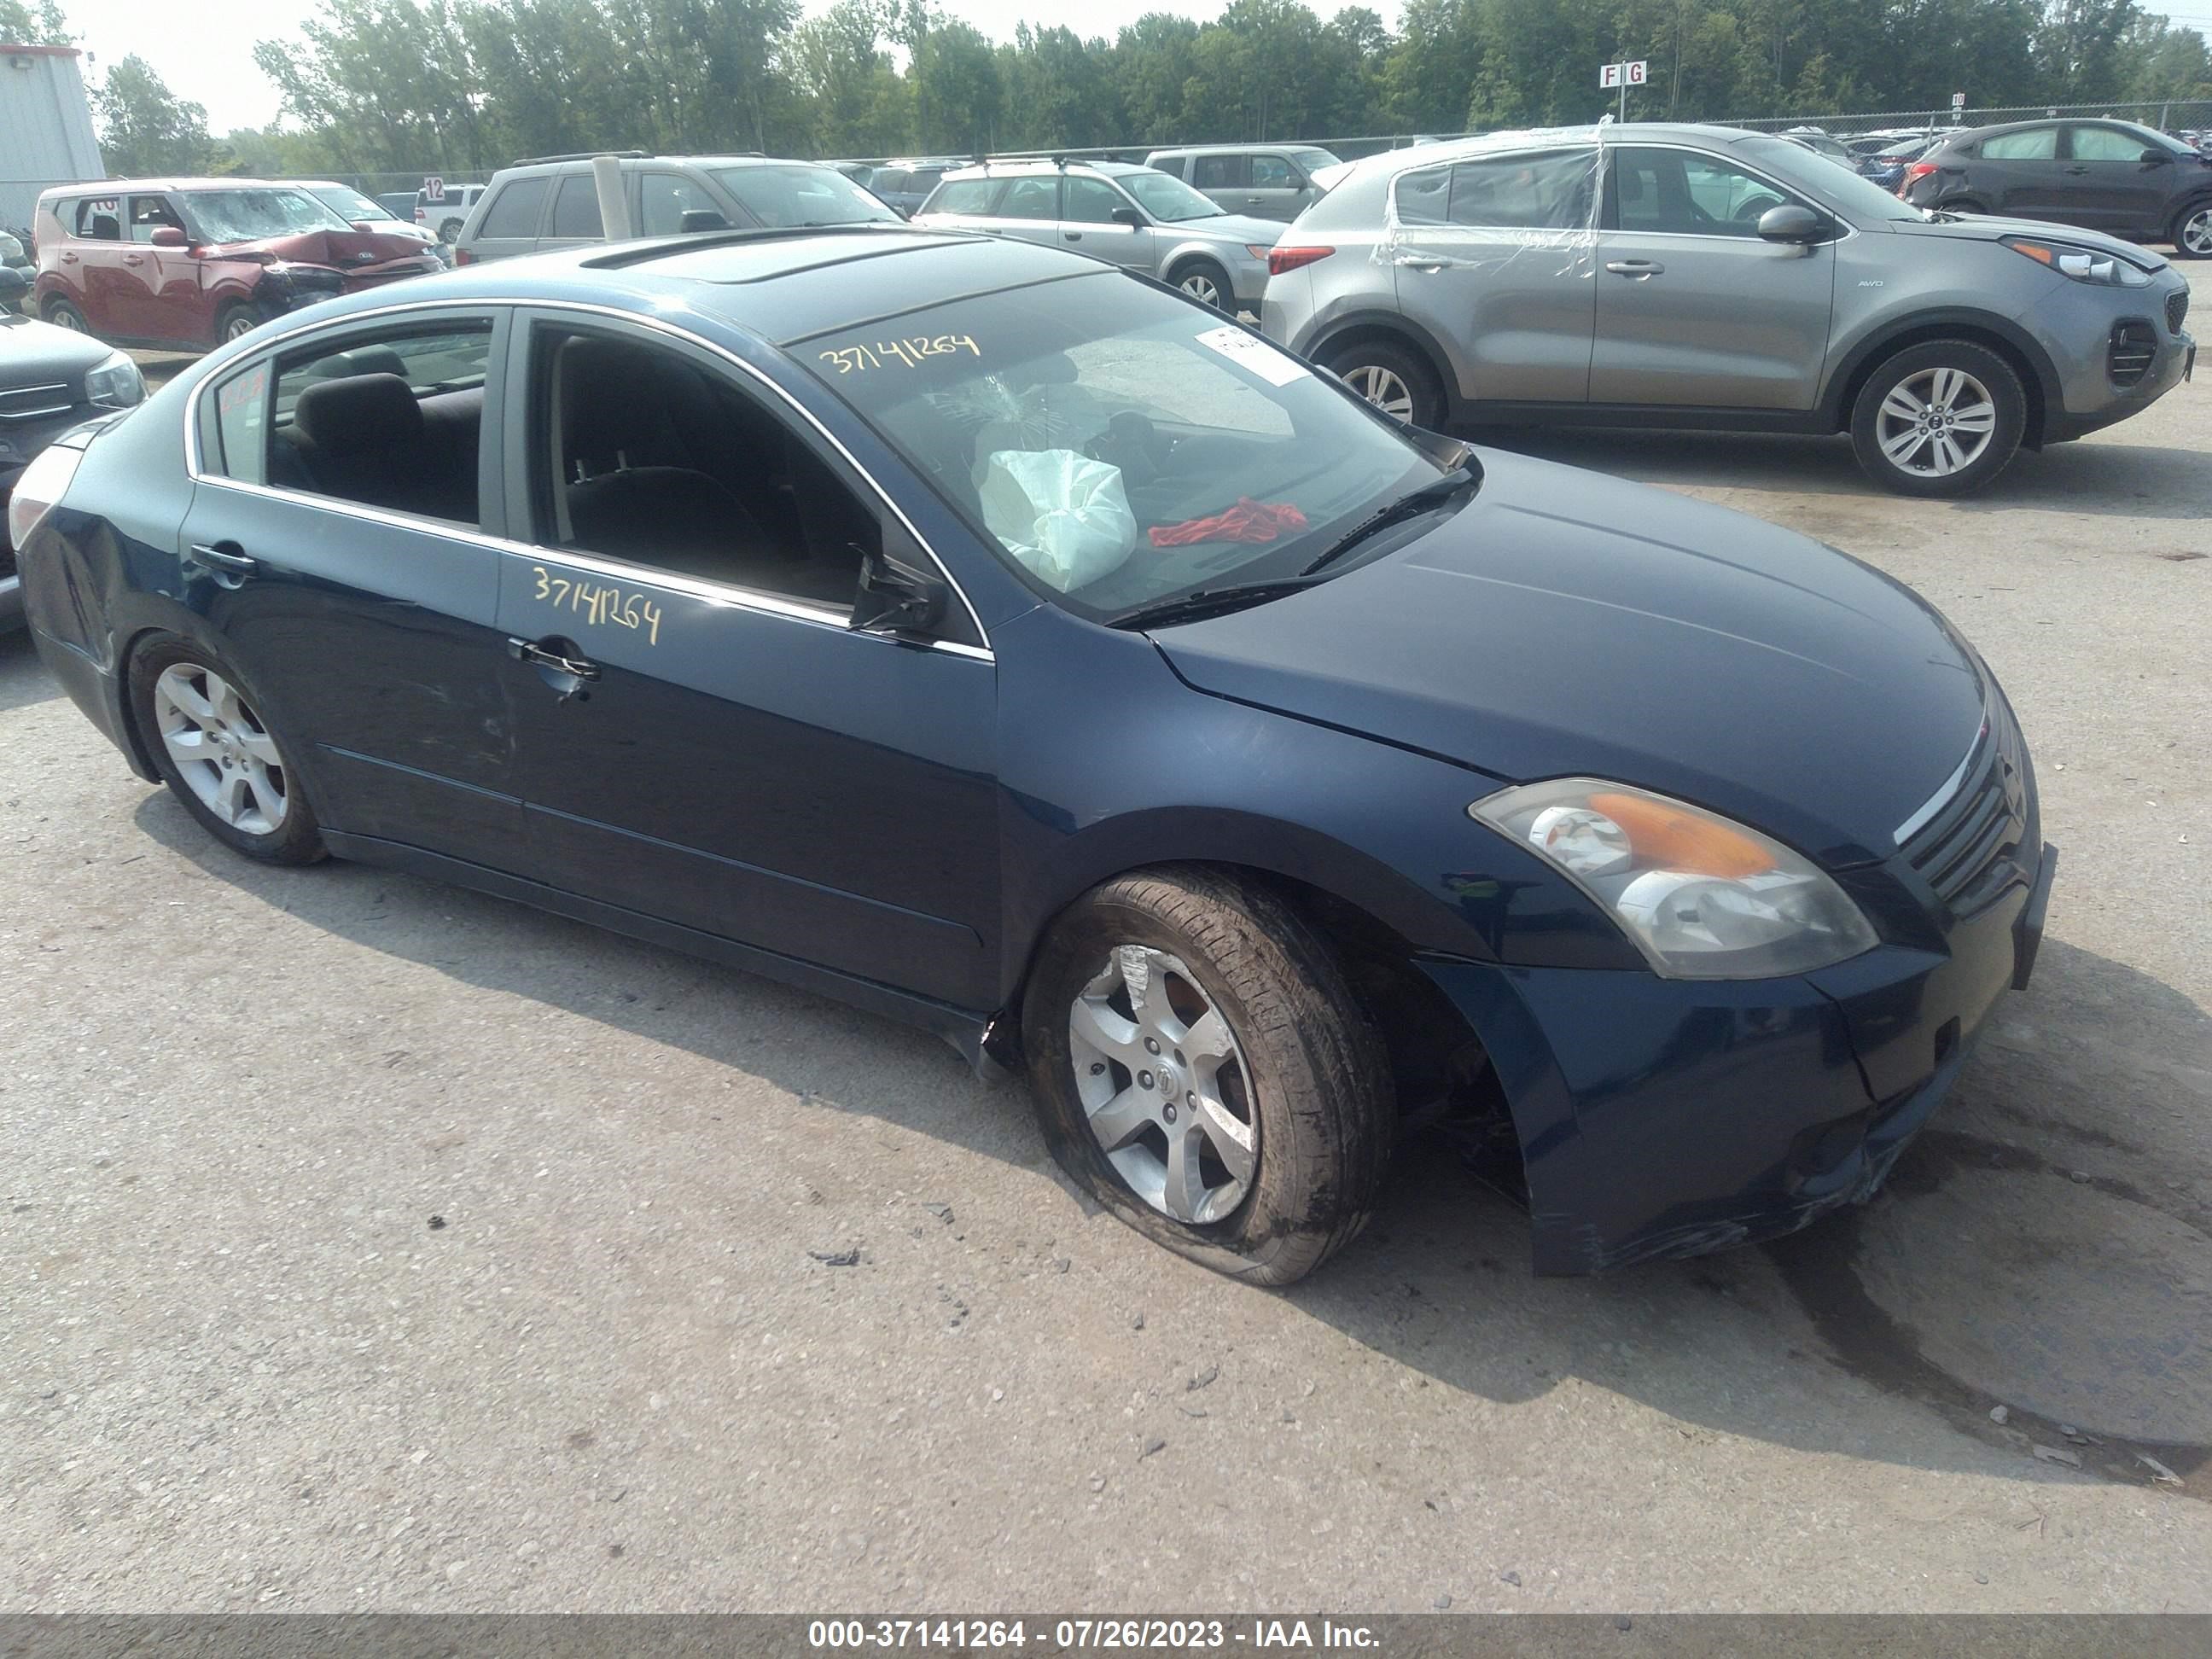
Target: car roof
point(778, 285)
point(179, 186)
point(1239, 150)
point(1029, 166)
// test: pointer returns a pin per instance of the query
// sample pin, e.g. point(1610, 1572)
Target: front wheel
point(1939, 419)
point(1392, 377)
point(2192, 231)
point(236, 323)
point(1207, 284)
point(217, 754)
point(1201, 1068)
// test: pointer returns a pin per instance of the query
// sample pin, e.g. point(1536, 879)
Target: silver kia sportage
point(1702, 277)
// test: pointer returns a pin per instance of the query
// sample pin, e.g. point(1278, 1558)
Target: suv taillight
point(1913, 174)
point(463, 256)
point(1280, 259)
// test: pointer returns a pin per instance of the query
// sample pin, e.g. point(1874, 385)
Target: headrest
point(361, 412)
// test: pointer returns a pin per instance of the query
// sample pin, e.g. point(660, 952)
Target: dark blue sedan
point(1004, 643)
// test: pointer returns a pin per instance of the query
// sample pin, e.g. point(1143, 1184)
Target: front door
point(1088, 226)
point(2108, 185)
point(1278, 189)
point(1695, 309)
point(707, 741)
point(166, 290)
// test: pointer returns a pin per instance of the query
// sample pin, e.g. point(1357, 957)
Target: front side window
point(1091, 201)
point(148, 213)
point(1221, 172)
point(1272, 173)
point(1679, 192)
point(643, 452)
point(2035, 144)
point(1169, 200)
point(1116, 446)
point(576, 207)
point(668, 197)
point(2109, 144)
point(789, 194)
point(249, 216)
point(513, 212)
point(389, 420)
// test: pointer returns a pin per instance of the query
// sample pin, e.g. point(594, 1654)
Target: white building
point(46, 127)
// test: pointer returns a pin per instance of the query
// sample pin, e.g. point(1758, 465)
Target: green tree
point(43, 25)
point(144, 128)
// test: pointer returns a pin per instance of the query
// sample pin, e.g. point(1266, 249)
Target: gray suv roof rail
point(580, 156)
point(637, 253)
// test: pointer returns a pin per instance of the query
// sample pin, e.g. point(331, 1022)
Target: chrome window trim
point(1943, 795)
point(743, 598)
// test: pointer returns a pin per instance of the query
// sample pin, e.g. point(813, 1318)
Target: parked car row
point(2114, 176)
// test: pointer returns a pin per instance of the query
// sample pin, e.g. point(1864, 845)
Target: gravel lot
point(371, 1244)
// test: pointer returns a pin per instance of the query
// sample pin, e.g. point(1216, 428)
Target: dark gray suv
point(1705, 276)
point(2113, 176)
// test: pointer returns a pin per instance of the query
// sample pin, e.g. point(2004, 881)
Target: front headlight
point(1701, 897)
point(2099, 269)
point(114, 382)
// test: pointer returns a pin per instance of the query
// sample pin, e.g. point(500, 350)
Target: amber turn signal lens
point(1669, 840)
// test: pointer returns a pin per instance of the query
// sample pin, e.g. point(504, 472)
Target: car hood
point(1562, 624)
point(342, 250)
point(31, 352)
point(1979, 227)
point(1237, 227)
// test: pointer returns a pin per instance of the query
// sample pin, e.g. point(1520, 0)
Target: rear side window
point(1030, 198)
point(99, 219)
point(2036, 145)
point(1173, 165)
point(241, 425)
point(1221, 172)
point(514, 211)
point(576, 208)
point(964, 196)
point(1545, 191)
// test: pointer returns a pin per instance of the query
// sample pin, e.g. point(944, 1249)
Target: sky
point(204, 48)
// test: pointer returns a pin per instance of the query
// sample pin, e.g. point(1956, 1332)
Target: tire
point(64, 314)
point(1207, 284)
point(1396, 379)
point(1983, 401)
point(1304, 1073)
point(2192, 231)
point(243, 793)
point(450, 232)
point(235, 320)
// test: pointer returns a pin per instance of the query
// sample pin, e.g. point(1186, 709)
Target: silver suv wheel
point(1936, 422)
point(1164, 1085)
point(1200, 284)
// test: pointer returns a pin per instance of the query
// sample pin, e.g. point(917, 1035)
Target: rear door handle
point(545, 654)
point(1073, 235)
point(1635, 268)
point(2077, 172)
point(222, 561)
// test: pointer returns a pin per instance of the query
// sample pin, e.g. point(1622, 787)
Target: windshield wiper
point(1209, 601)
point(1431, 495)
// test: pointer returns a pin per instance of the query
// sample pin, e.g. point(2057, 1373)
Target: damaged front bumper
point(1665, 1118)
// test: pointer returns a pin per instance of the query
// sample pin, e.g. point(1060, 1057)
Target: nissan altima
point(1007, 644)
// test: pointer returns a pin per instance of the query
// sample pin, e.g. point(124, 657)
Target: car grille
point(1969, 852)
point(2177, 310)
point(2128, 357)
point(35, 402)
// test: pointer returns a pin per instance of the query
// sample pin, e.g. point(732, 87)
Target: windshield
point(350, 204)
point(247, 216)
point(1117, 445)
point(793, 194)
point(1167, 199)
point(1838, 187)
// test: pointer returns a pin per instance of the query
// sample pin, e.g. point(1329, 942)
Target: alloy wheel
point(66, 317)
point(223, 751)
point(237, 328)
point(1382, 388)
point(1935, 423)
point(1165, 1086)
point(2194, 236)
point(1203, 288)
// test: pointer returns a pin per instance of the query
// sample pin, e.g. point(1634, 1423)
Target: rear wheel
point(1207, 284)
point(235, 321)
point(1392, 376)
point(64, 314)
point(2192, 231)
point(217, 754)
point(1201, 1068)
point(1939, 419)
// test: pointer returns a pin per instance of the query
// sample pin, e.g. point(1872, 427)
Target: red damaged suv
point(194, 261)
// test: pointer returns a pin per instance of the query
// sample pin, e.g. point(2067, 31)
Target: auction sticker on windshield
point(1248, 351)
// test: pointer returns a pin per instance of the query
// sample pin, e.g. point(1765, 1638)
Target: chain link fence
point(2172, 115)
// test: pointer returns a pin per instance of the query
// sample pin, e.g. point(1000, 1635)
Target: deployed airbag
point(1065, 516)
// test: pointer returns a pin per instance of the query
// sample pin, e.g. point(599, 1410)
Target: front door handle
point(552, 653)
point(1073, 235)
point(133, 259)
point(222, 561)
point(1636, 269)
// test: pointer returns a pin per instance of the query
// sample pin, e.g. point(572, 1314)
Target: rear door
point(511, 219)
point(2020, 174)
point(575, 216)
point(2108, 185)
point(1028, 210)
point(1493, 257)
point(359, 597)
point(1088, 226)
point(91, 263)
point(1694, 308)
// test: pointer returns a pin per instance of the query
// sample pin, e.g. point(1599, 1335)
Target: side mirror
point(896, 598)
point(1130, 217)
point(2154, 155)
point(698, 219)
point(1790, 223)
point(170, 236)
